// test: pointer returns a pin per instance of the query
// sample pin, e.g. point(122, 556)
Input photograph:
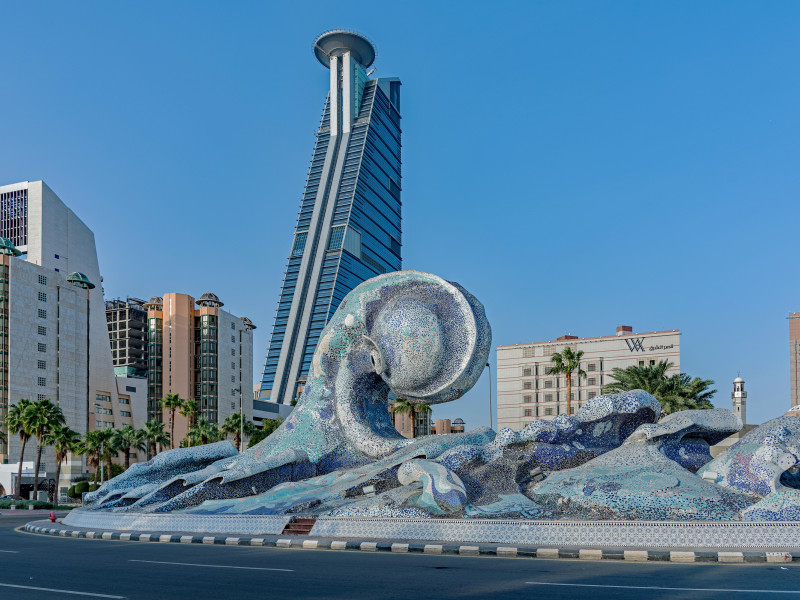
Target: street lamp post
point(80, 280)
point(96, 406)
point(491, 415)
point(241, 419)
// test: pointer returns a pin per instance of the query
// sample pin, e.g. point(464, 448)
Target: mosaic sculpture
point(425, 339)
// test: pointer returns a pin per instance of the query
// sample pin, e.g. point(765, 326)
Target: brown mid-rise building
point(198, 352)
point(444, 426)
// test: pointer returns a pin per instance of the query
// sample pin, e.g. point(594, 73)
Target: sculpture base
point(610, 534)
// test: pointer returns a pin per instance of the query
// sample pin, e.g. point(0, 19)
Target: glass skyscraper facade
point(349, 226)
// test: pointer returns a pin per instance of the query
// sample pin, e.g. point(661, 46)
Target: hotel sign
point(637, 345)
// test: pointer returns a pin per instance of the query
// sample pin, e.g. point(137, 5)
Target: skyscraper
point(348, 229)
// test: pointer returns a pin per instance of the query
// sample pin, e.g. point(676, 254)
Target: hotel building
point(348, 229)
point(200, 352)
point(527, 391)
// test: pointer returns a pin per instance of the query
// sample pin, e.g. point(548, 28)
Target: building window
point(233, 378)
point(526, 385)
point(41, 330)
point(124, 400)
point(103, 411)
point(233, 351)
point(299, 243)
point(591, 381)
point(572, 396)
point(41, 381)
point(57, 256)
point(41, 364)
point(591, 367)
point(528, 412)
point(592, 394)
point(526, 399)
point(233, 325)
point(336, 239)
point(130, 388)
point(548, 412)
point(527, 372)
point(42, 297)
point(42, 313)
point(41, 396)
point(103, 397)
point(124, 413)
point(548, 397)
point(527, 352)
point(548, 383)
point(42, 347)
point(43, 279)
point(641, 363)
point(652, 362)
point(233, 365)
point(233, 339)
point(233, 405)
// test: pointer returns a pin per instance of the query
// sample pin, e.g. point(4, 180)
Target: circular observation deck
point(339, 41)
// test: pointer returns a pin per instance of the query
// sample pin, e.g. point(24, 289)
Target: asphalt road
point(34, 566)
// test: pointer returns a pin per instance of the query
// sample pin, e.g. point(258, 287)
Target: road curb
point(400, 547)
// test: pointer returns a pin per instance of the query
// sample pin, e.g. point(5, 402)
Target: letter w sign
point(635, 344)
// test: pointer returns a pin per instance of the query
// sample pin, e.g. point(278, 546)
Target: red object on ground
point(52, 516)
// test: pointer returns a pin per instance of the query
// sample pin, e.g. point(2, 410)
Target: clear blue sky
point(576, 165)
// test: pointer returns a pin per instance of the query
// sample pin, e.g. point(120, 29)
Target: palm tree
point(233, 425)
point(63, 440)
point(98, 446)
point(126, 438)
point(191, 410)
point(17, 422)
point(267, 427)
point(92, 446)
point(42, 416)
point(154, 434)
point(565, 363)
point(675, 393)
point(401, 405)
point(202, 432)
point(172, 402)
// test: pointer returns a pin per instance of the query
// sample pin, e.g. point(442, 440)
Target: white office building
point(55, 320)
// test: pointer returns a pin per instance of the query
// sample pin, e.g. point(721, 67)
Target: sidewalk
point(432, 547)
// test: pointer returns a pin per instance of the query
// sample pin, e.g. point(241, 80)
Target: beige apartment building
point(200, 352)
point(527, 391)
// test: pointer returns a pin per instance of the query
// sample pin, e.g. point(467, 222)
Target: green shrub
point(24, 504)
point(77, 490)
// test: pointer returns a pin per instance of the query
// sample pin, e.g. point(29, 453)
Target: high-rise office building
point(127, 331)
point(348, 229)
point(203, 353)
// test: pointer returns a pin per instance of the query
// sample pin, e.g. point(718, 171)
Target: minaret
point(739, 397)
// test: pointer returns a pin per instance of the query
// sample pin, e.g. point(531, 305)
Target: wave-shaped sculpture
point(426, 339)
